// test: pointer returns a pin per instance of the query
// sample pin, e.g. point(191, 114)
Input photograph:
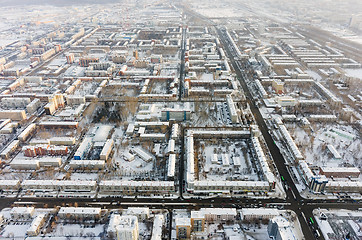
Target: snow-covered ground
point(68, 228)
point(239, 230)
point(357, 73)
point(337, 223)
point(313, 144)
point(234, 149)
point(314, 75)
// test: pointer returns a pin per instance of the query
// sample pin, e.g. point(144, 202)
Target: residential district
point(180, 120)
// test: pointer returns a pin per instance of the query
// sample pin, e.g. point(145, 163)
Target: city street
point(179, 87)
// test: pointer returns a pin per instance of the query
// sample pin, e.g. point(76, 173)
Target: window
point(197, 225)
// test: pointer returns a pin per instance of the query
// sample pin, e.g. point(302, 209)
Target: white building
point(87, 164)
point(225, 160)
point(258, 213)
point(279, 228)
point(15, 102)
point(49, 162)
point(107, 149)
point(175, 131)
point(54, 185)
point(22, 213)
point(127, 228)
point(33, 106)
point(171, 165)
point(290, 142)
point(143, 154)
point(232, 109)
point(171, 146)
point(25, 134)
point(113, 222)
point(140, 213)
point(157, 227)
point(79, 212)
point(36, 225)
point(9, 185)
point(68, 141)
point(5, 154)
point(286, 101)
point(75, 100)
point(16, 115)
point(222, 214)
point(118, 187)
point(128, 156)
point(22, 164)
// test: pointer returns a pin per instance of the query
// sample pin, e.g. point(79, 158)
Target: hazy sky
point(356, 5)
point(53, 2)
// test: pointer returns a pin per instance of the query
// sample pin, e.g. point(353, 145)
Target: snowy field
point(127, 164)
point(128, 170)
point(220, 170)
point(357, 73)
point(314, 144)
point(210, 114)
point(86, 88)
point(159, 87)
point(117, 92)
